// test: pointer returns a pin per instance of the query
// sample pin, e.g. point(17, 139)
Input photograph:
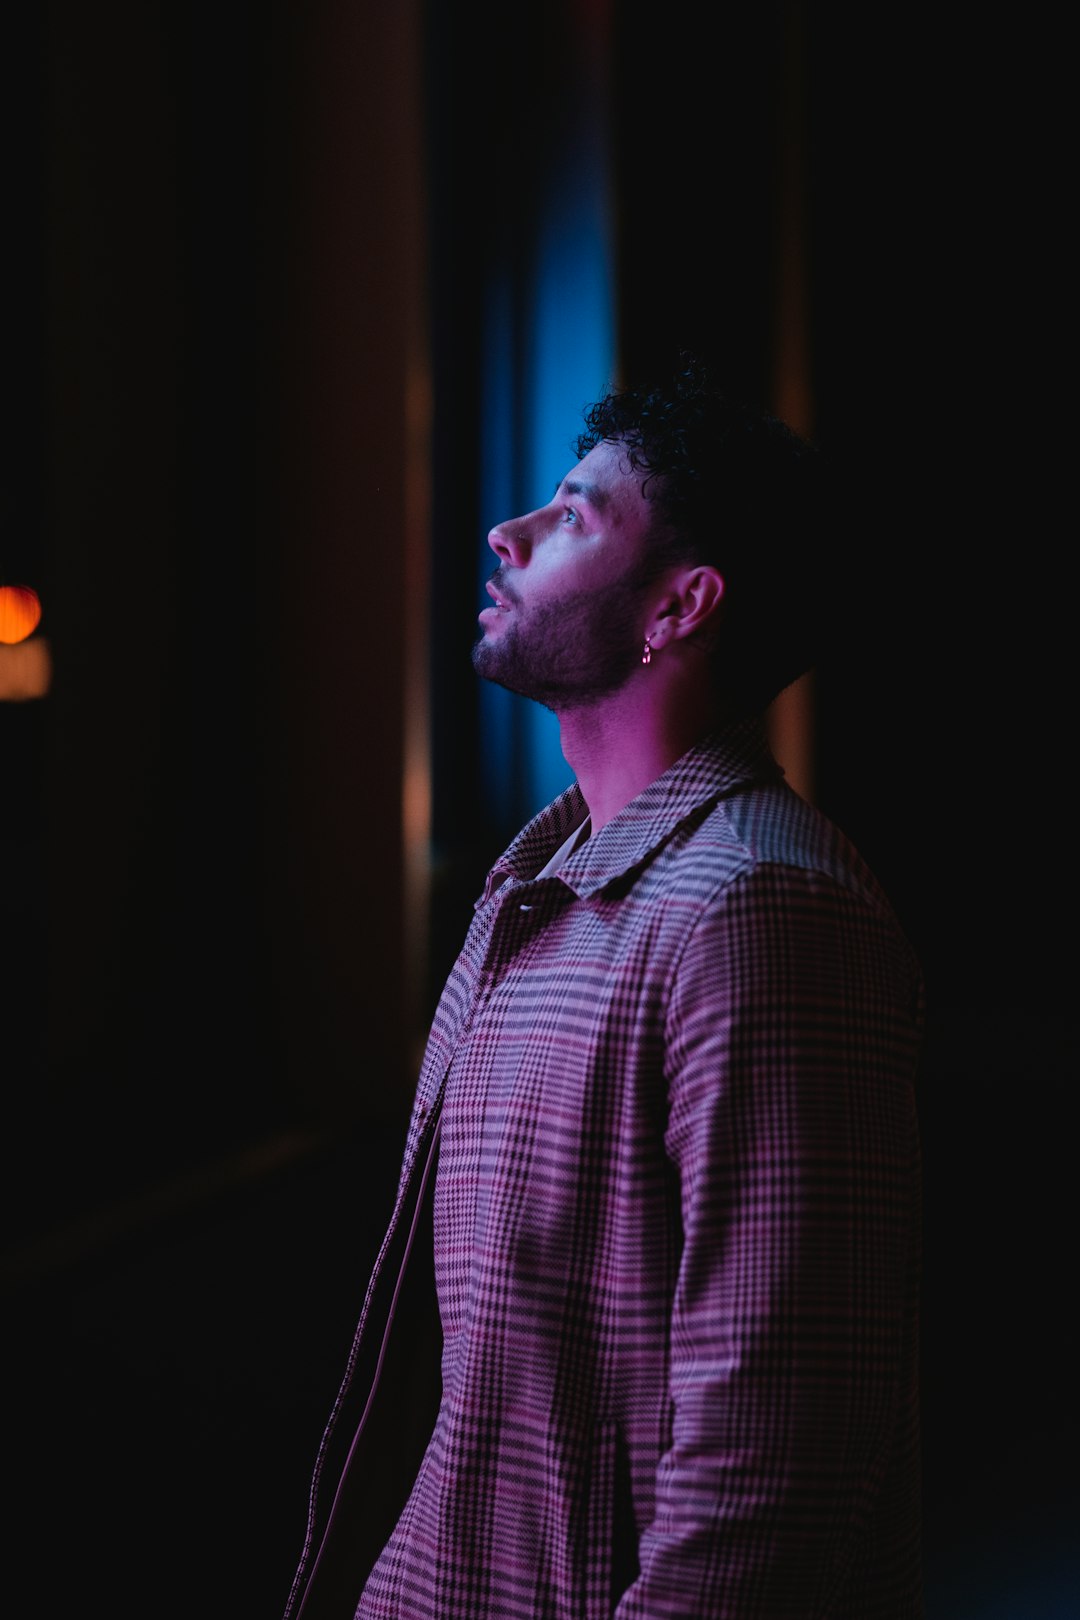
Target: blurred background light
point(25, 670)
point(550, 349)
point(20, 613)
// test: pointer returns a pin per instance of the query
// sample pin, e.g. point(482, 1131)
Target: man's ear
point(690, 606)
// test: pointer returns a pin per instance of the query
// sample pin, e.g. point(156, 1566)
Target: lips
point(500, 598)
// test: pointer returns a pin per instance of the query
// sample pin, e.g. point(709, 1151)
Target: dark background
point(236, 237)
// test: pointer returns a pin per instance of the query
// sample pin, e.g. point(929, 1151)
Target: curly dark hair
point(741, 490)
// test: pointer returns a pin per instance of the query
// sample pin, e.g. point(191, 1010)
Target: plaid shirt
point(676, 1230)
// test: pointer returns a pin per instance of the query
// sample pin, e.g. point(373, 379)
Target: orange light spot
point(20, 613)
point(25, 670)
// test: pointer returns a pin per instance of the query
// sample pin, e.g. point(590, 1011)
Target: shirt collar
point(723, 762)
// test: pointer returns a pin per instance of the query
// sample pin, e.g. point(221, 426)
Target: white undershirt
point(567, 848)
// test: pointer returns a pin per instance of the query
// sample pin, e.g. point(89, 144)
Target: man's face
point(568, 619)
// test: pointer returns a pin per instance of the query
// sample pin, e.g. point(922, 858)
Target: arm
point(790, 1047)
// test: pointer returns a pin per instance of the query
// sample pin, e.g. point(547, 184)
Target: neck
point(618, 747)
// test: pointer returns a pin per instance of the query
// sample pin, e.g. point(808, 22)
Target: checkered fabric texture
point(676, 1229)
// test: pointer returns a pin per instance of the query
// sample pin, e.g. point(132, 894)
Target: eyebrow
point(573, 486)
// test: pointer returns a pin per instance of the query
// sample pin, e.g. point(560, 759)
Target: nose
point(510, 542)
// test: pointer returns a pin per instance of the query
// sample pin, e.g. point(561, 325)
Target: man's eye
point(569, 515)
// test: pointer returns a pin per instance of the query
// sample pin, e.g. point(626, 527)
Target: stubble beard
point(568, 655)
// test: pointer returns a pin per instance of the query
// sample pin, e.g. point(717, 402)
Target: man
point(663, 1158)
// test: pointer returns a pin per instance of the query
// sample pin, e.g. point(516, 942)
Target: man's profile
point(656, 1232)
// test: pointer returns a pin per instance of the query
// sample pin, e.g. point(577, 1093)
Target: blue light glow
point(549, 352)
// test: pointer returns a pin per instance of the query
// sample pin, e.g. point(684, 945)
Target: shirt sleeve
point(792, 1037)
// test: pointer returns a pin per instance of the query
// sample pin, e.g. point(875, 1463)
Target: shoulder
point(788, 913)
point(749, 837)
point(763, 863)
